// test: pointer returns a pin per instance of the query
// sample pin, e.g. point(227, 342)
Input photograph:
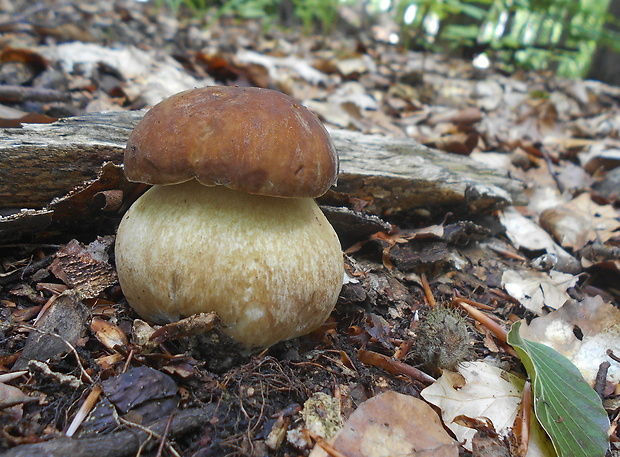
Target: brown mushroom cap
point(249, 139)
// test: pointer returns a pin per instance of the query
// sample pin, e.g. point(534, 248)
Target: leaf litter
point(553, 262)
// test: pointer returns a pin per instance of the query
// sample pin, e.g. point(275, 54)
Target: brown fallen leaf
point(193, 325)
point(141, 395)
point(109, 361)
point(12, 396)
point(14, 118)
point(465, 116)
point(33, 59)
point(108, 334)
point(580, 221)
point(392, 424)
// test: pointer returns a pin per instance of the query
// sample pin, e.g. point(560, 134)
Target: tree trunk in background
point(605, 65)
point(463, 48)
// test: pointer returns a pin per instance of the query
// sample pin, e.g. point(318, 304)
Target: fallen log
point(117, 444)
point(70, 172)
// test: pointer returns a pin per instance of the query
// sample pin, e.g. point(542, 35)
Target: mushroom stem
point(270, 267)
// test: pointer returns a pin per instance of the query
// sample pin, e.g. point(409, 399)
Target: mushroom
point(230, 224)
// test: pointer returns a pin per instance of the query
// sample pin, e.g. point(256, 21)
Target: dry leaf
point(525, 233)
point(580, 221)
point(536, 289)
point(600, 156)
point(393, 424)
point(488, 392)
point(12, 117)
point(109, 361)
point(11, 399)
point(110, 335)
point(276, 66)
point(598, 321)
point(197, 324)
point(356, 65)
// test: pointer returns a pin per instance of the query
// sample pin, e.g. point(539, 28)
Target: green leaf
point(566, 406)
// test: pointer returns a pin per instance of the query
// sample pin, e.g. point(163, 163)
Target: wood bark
point(117, 444)
point(605, 63)
point(65, 171)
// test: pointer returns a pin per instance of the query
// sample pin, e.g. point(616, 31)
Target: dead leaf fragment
point(197, 324)
point(579, 221)
point(599, 324)
point(599, 157)
point(141, 395)
point(13, 118)
point(77, 268)
point(488, 393)
point(10, 397)
point(489, 446)
point(109, 361)
point(525, 233)
point(278, 432)
point(536, 289)
point(393, 424)
point(108, 334)
point(66, 318)
point(355, 65)
point(486, 442)
point(141, 334)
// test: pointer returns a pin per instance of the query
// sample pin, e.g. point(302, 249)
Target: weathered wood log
point(400, 175)
point(117, 444)
point(41, 163)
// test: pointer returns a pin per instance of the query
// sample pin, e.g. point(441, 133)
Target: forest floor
point(399, 325)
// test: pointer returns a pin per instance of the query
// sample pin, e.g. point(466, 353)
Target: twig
point(551, 169)
point(501, 294)
point(506, 253)
point(331, 450)
point(48, 305)
point(393, 366)
point(152, 434)
point(473, 303)
point(601, 378)
point(613, 356)
point(22, 272)
point(427, 292)
point(522, 422)
point(497, 330)
point(162, 443)
point(132, 351)
point(20, 94)
point(86, 407)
